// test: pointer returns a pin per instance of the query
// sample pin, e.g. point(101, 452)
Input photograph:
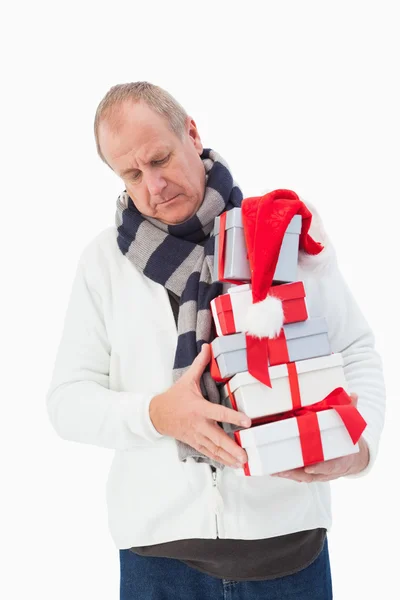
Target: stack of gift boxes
point(291, 386)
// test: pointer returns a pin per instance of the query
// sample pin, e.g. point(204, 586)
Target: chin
point(177, 215)
point(176, 218)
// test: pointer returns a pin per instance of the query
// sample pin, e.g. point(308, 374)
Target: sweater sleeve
point(80, 405)
point(351, 335)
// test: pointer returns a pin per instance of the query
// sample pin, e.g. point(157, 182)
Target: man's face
point(164, 175)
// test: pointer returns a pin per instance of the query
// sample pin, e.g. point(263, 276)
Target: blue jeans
point(153, 578)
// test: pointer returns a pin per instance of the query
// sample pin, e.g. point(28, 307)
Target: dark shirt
point(241, 560)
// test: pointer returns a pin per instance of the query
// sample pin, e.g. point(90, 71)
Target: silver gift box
point(306, 339)
point(237, 265)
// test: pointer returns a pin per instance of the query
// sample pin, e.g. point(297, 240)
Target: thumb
point(197, 367)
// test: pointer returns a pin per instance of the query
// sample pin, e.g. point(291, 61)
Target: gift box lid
point(237, 341)
point(305, 328)
point(269, 433)
point(243, 287)
point(221, 304)
point(234, 219)
point(284, 291)
point(228, 343)
point(288, 291)
point(302, 366)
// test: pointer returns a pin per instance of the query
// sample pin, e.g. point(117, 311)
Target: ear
point(193, 133)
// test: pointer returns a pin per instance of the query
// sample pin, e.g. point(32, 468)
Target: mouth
point(170, 199)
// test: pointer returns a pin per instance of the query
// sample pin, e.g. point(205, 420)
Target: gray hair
point(155, 97)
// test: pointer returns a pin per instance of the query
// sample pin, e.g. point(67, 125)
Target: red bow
point(307, 421)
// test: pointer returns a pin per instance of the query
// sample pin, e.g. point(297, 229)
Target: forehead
point(134, 131)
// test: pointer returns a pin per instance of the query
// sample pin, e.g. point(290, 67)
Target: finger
point(335, 466)
point(306, 478)
point(223, 414)
point(218, 453)
point(219, 439)
point(296, 475)
point(196, 369)
point(323, 478)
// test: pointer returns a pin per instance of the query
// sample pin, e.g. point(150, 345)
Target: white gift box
point(317, 377)
point(276, 447)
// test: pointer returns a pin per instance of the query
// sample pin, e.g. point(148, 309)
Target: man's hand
point(332, 469)
point(183, 413)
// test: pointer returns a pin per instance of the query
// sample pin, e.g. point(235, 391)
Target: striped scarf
point(180, 258)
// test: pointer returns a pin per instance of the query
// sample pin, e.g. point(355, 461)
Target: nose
point(155, 183)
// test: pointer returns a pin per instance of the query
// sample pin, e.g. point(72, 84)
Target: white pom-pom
point(265, 318)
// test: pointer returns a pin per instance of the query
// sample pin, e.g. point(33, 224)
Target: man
point(132, 374)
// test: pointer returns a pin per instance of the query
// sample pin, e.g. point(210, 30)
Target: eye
point(161, 161)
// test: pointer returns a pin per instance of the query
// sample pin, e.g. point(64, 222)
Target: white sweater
point(117, 351)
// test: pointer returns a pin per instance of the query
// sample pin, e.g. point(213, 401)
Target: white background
point(302, 95)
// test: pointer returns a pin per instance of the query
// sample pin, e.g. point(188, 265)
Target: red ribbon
point(231, 397)
point(294, 385)
point(226, 318)
point(246, 467)
point(262, 352)
point(221, 246)
point(310, 438)
point(221, 249)
point(278, 350)
point(214, 369)
point(307, 421)
point(257, 358)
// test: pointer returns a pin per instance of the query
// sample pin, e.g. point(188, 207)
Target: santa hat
point(265, 220)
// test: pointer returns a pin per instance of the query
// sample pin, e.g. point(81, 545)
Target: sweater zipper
point(214, 476)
